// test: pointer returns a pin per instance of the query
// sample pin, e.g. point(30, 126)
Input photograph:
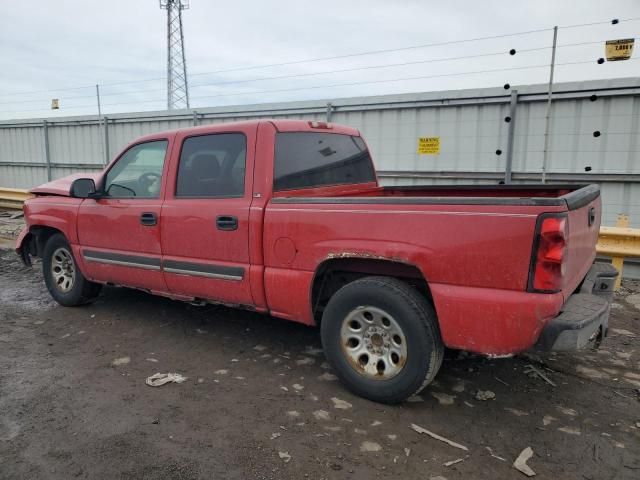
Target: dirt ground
point(260, 403)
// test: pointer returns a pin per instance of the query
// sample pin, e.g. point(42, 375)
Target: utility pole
point(177, 86)
point(545, 153)
point(100, 125)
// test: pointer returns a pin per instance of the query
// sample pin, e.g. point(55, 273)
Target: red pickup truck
point(286, 217)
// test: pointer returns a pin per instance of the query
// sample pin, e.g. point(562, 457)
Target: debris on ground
point(536, 372)
point(443, 398)
point(159, 379)
point(275, 435)
point(570, 430)
point(453, 462)
point(341, 404)
point(327, 377)
point(494, 455)
point(221, 372)
point(309, 350)
point(305, 361)
point(120, 361)
point(567, 411)
point(367, 446)
point(284, 456)
point(521, 462)
point(484, 395)
point(516, 412)
point(415, 399)
point(419, 429)
point(321, 415)
point(547, 419)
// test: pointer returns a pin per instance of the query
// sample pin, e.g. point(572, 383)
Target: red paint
point(475, 258)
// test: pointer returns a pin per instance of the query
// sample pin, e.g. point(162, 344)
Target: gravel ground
point(261, 403)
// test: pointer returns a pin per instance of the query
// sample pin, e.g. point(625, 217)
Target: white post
point(545, 153)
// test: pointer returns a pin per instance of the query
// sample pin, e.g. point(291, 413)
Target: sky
point(62, 49)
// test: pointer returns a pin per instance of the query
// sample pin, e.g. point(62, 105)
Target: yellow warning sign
point(428, 145)
point(619, 49)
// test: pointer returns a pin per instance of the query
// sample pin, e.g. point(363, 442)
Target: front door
point(205, 216)
point(119, 234)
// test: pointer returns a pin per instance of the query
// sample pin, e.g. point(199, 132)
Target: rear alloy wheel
point(63, 278)
point(374, 343)
point(382, 339)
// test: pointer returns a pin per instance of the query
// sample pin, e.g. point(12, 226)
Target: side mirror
point(83, 188)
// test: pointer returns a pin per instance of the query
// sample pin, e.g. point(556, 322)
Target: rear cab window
point(311, 159)
point(212, 166)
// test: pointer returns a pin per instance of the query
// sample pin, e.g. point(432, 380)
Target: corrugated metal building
point(594, 137)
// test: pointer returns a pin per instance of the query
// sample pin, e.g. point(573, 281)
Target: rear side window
point(309, 159)
point(212, 166)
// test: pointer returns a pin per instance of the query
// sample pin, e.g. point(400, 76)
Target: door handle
point(149, 219)
point(226, 222)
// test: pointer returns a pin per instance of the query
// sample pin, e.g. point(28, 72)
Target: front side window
point(138, 172)
point(309, 159)
point(212, 166)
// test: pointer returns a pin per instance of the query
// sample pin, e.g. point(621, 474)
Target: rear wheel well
point(334, 274)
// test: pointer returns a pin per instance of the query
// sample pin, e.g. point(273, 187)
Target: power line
point(326, 72)
point(371, 52)
point(368, 82)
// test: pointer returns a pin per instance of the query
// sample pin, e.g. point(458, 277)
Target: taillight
point(550, 254)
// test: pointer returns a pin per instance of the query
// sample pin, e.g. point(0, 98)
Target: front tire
point(63, 278)
point(382, 339)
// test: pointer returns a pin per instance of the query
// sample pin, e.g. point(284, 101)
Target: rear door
point(205, 217)
point(119, 234)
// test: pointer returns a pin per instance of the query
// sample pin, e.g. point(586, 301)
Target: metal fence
point(485, 136)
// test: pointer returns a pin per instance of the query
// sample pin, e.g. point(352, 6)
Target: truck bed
point(571, 196)
point(473, 245)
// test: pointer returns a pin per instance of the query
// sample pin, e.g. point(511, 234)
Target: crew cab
point(286, 217)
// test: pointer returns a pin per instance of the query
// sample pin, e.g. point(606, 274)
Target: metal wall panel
point(470, 123)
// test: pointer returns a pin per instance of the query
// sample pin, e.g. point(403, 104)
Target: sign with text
point(428, 145)
point(619, 49)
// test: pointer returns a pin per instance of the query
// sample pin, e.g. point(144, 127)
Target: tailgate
point(583, 227)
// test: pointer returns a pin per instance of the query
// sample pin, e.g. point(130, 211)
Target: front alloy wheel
point(63, 269)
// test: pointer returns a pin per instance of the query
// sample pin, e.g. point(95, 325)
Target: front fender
point(24, 245)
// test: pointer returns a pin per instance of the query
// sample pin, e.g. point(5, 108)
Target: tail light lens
point(550, 254)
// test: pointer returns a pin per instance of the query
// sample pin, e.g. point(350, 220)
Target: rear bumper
point(584, 318)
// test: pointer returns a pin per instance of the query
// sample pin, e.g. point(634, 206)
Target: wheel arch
point(41, 235)
point(333, 273)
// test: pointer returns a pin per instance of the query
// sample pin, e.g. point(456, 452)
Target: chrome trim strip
point(195, 273)
point(121, 263)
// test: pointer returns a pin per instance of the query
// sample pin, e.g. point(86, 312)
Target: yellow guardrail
point(13, 197)
point(617, 242)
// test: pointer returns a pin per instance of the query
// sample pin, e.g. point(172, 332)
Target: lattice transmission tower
point(177, 86)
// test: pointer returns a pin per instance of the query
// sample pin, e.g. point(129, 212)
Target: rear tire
point(382, 339)
point(63, 278)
